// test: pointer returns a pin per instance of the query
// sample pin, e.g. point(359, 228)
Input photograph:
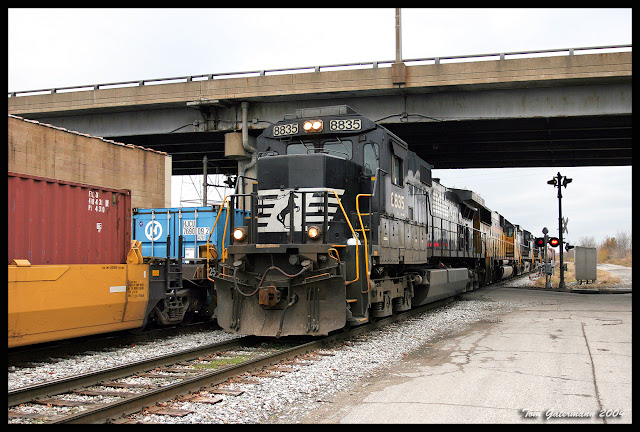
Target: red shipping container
point(60, 222)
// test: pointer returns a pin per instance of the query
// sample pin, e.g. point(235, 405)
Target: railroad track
point(199, 375)
point(111, 394)
point(170, 375)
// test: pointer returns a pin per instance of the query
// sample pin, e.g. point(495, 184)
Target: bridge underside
point(594, 140)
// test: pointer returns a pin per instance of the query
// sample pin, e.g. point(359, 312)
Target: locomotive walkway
point(565, 358)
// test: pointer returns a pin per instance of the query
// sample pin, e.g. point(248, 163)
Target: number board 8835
point(345, 124)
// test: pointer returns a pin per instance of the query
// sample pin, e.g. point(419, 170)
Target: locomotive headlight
point(239, 234)
point(312, 126)
point(313, 232)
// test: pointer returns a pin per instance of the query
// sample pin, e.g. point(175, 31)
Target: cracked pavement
point(560, 358)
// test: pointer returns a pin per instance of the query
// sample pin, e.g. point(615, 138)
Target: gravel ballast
point(289, 397)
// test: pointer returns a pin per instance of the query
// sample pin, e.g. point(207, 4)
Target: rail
point(263, 72)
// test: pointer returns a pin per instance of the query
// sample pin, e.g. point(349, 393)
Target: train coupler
point(268, 296)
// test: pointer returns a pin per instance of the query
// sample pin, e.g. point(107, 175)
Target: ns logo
point(274, 212)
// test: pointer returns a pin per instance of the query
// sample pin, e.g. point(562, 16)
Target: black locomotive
point(348, 225)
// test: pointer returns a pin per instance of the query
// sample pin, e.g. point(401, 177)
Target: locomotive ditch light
point(312, 126)
point(313, 232)
point(554, 241)
point(239, 234)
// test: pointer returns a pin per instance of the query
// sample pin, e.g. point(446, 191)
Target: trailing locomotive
point(350, 226)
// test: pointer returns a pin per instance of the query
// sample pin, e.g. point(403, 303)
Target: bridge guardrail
point(263, 72)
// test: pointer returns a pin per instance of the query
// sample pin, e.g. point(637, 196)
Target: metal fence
point(264, 72)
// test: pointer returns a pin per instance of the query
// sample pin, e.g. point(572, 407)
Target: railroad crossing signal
point(551, 241)
point(565, 221)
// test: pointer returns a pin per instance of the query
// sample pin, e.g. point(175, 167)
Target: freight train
point(349, 226)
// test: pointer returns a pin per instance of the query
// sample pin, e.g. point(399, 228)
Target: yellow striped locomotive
point(348, 225)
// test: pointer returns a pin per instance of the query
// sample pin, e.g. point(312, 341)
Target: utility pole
point(398, 37)
point(559, 181)
point(204, 181)
point(398, 68)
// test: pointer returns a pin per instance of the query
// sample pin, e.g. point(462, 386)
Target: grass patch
point(223, 361)
point(604, 278)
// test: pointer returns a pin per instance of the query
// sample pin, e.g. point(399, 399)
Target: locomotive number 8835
point(348, 225)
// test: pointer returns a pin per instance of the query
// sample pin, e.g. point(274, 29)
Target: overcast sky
point(66, 47)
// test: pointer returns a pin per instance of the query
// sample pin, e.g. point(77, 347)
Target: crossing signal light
point(538, 242)
point(553, 241)
point(568, 247)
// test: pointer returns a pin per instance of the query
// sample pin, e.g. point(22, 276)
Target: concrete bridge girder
point(408, 106)
point(570, 110)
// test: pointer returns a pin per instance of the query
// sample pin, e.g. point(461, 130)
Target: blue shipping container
point(151, 227)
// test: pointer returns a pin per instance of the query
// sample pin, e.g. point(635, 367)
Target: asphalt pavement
point(561, 357)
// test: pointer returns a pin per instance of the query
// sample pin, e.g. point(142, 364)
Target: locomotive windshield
point(337, 147)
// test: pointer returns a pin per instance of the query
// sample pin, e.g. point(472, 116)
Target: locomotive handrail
point(354, 236)
point(263, 72)
point(211, 233)
point(224, 233)
point(364, 235)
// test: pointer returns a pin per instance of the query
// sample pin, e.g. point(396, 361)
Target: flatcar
point(349, 226)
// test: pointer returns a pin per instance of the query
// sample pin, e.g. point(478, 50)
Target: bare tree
point(623, 240)
point(587, 241)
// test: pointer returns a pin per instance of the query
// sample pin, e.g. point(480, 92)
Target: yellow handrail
point(224, 235)
point(366, 248)
point(354, 236)
point(211, 233)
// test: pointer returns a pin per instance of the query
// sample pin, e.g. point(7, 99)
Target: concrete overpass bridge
point(567, 107)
